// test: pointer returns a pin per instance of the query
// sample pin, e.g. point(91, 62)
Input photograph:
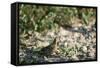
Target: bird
point(51, 49)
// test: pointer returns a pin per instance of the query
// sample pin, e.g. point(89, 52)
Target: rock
point(84, 49)
point(50, 33)
point(76, 35)
point(65, 44)
point(62, 39)
point(62, 32)
point(91, 54)
point(21, 54)
point(75, 57)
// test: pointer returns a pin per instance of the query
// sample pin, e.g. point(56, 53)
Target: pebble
point(75, 57)
point(84, 49)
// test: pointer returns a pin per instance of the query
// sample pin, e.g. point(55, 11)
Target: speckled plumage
point(50, 49)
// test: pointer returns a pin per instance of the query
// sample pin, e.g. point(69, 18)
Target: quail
point(50, 49)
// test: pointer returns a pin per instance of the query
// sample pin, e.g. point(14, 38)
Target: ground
point(75, 43)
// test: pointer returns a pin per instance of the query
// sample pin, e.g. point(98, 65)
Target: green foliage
point(67, 51)
point(85, 14)
point(41, 18)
